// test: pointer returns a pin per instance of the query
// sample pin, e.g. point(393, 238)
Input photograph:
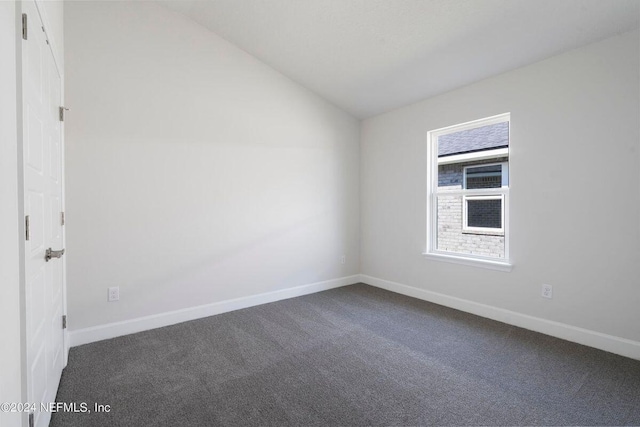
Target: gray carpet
point(356, 355)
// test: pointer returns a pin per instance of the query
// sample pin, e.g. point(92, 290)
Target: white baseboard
point(610, 343)
point(112, 330)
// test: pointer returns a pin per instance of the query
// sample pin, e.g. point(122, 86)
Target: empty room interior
point(320, 213)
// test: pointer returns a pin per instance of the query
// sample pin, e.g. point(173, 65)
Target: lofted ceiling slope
point(372, 56)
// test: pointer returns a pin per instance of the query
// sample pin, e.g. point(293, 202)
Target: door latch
point(53, 254)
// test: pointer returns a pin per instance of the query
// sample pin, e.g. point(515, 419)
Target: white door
point(43, 205)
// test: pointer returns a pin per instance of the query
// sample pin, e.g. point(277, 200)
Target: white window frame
point(472, 157)
point(502, 264)
point(488, 194)
point(482, 230)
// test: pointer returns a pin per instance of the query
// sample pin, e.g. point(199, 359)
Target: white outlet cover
point(547, 291)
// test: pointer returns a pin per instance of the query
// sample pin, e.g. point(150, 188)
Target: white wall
point(10, 356)
point(575, 189)
point(195, 173)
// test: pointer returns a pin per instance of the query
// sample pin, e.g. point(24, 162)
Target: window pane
point(484, 177)
point(473, 140)
point(450, 176)
point(484, 213)
point(451, 238)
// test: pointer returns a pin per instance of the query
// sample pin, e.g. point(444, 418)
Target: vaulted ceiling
point(371, 56)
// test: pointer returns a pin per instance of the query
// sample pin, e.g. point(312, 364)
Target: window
point(486, 176)
point(468, 185)
point(484, 214)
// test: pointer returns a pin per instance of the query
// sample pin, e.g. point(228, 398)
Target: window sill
point(474, 262)
point(483, 233)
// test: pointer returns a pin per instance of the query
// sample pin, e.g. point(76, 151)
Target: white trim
point(473, 192)
point(470, 260)
point(472, 157)
point(610, 343)
point(465, 220)
point(112, 330)
point(432, 201)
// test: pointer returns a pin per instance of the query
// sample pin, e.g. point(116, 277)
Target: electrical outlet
point(547, 291)
point(113, 294)
point(343, 259)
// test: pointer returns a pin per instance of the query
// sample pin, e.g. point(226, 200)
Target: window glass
point(483, 177)
point(484, 213)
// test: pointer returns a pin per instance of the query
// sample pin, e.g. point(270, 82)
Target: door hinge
point(62, 110)
point(24, 26)
point(61, 218)
point(64, 322)
point(31, 420)
point(26, 227)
